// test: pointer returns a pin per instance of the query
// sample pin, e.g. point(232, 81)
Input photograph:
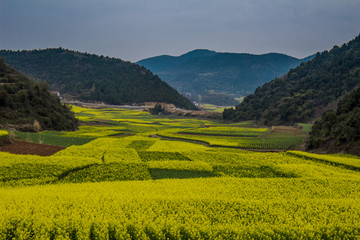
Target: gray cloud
point(136, 29)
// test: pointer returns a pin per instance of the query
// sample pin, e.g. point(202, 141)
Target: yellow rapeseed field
point(3, 133)
point(128, 183)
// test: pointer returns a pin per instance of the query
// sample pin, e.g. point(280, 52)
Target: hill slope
point(340, 130)
point(22, 101)
point(90, 77)
point(203, 71)
point(304, 92)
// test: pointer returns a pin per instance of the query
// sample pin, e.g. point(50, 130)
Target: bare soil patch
point(21, 147)
point(285, 129)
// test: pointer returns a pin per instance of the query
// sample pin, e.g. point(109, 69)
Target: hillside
point(306, 91)
point(23, 102)
point(340, 130)
point(202, 71)
point(220, 99)
point(87, 77)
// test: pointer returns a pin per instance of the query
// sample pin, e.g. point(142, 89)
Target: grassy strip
point(250, 146)
point(183, 139)
point(322, 160)
point(305, 127)
point(159, 173)
point(141, 145)
point(151, 156)
point(219, 134)
point(50, 138)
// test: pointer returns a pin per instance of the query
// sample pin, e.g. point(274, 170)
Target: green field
point(52, 138)
point(125, 182)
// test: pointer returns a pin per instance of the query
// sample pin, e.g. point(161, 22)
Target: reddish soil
point(20, 147)
point(285, 129)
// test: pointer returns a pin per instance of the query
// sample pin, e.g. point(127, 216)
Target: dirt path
point(20, 147)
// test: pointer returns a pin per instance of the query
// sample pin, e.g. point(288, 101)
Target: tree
point(158, 109)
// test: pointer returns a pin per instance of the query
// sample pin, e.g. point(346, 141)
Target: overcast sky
point(136, 29)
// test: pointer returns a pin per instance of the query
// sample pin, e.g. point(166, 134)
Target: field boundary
point(206, 144)
point(336, 164)
point(73, 170)
point(215, 135)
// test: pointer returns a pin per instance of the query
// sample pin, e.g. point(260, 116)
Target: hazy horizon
point(133, 30)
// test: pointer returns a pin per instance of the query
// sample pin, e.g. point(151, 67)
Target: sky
point(136, 29)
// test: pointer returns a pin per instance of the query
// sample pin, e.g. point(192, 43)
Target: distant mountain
point(85, 76)
point(28, 105)
point(202, 71)
point(340, 130)
point(305, 92)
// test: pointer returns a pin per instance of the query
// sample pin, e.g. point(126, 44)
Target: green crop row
point(156, 156)
point(240, 142)
point(227, 131)
point(141, 145)
point(52, 138)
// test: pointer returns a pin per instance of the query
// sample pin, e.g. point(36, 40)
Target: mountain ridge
point(85, 76)
point(304, 92)
point(201, 71)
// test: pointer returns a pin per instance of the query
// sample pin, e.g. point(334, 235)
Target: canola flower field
point(120, 122)
point(126, 183)
point(3, 133)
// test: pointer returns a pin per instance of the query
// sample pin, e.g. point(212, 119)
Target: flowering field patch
point(3, 133)
point(113, 171)
point(175, 146)
point(180, 165)
point(208, 208)
point(260, 142)
point(227, 131)
point(346, 162)
point(18, 169)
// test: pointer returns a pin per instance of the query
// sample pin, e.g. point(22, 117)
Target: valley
point(122, 155)
point(179, 120)
point(217, 78)
point(114, 180)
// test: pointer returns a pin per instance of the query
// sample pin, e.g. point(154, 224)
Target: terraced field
point(125, 183)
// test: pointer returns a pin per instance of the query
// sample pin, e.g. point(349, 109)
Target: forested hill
point(204, 71)
point(306, 91)
point(340, 130)
point(26, 104)
point(85, 76)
